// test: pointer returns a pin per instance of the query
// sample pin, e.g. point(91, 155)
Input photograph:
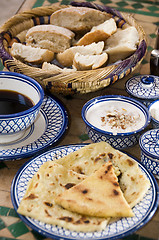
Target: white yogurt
point(115, 117)
point(154, 110)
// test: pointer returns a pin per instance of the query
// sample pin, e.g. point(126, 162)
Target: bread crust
point(99, 33)
point(78, 18)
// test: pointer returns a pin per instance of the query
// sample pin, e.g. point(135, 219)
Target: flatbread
point(133, 182)
point(98, 195)
point(38, 201)
point(54, 177)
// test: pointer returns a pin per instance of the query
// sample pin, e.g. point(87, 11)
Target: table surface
point(146, 12)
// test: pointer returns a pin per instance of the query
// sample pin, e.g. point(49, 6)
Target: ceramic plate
point(48, 128)
point(125, 226)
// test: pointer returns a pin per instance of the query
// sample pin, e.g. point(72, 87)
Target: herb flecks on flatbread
point(38, 201)
point(98, 195)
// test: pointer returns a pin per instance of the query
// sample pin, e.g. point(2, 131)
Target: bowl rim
point(143, 150)
point(155, 120)
point(116, 97)
point(30, 110)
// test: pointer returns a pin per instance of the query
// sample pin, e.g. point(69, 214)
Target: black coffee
point(13, 102)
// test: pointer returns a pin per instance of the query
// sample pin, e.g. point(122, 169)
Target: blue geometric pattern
point(17, 124)
point(149, 144)
point(116, 142)
point(55, 118)
point(139, 90)
point(150, 164)
point(120, 228)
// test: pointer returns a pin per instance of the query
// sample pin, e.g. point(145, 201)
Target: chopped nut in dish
point(116, 119)
point(120, 120)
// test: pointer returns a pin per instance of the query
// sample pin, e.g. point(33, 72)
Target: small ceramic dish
point(149, 145)
point(115, 119)
point(144, 88)
point(18, 89)
point(154, 112)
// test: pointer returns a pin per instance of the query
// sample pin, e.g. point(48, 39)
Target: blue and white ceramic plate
point(123, 227)
point(48, 128)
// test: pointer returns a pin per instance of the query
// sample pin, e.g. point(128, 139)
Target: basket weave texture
point(15, 28)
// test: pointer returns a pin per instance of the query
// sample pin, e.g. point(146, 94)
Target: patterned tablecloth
point(146, 12)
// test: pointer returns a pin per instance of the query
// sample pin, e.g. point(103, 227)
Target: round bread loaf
point(78, 18)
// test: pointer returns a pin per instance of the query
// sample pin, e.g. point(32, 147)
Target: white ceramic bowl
point(154, 112)
point(11, 124)
point(98, 111)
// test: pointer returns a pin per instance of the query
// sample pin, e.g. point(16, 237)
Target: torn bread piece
point(88, 62)
point(55, 68)
point(98, 195)
point(122, 44)
point(99, 33)
point(66, 58)
point(51, 37)
point(31, 54)
point(78, 18)
point(38, 202)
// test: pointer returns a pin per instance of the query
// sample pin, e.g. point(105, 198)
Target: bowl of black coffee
point(21, 98)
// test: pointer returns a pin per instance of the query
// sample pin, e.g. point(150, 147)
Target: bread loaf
point(122, 44)
point(51, 37)
point(87, 62)
point(66, 58)
point(31, 54)
point(78, 18)
point(99, 33)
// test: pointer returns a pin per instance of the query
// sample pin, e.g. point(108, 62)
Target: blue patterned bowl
point(154, 112)
point(14, 123)
point(149, 145)
point(144, 88)
point(136, 116)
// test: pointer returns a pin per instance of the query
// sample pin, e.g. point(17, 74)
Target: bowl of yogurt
point(154, 113)
point(116, 119)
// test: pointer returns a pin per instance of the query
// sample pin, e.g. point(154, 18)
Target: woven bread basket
point(15, 28)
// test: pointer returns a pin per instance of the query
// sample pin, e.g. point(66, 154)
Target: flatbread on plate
point(133, 182)
point(98, 195)
point(54, 177)
point(38, 201)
